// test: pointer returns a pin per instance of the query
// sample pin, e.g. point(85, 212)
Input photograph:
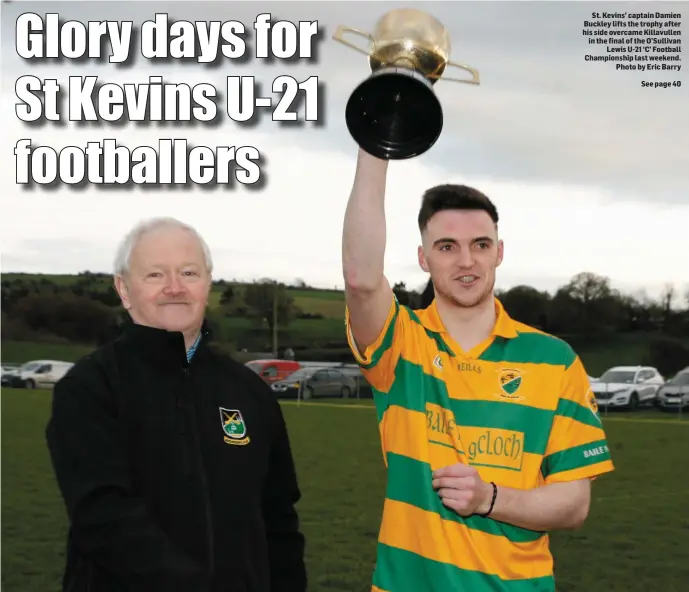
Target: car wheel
point(346, 391)
point(307, 394)
point(29, 384)
point(634, 402)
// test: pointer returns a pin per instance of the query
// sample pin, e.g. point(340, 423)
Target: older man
point(174, 462)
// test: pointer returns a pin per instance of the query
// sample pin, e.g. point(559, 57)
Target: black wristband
point(492, 501)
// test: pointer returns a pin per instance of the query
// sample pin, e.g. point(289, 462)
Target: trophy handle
point(339, 36)
point(474, 74)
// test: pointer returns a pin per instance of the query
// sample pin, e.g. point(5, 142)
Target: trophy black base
point(394, 114)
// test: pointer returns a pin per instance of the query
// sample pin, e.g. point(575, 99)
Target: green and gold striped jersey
point(518, 407)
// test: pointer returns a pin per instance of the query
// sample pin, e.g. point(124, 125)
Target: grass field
point(636, 539)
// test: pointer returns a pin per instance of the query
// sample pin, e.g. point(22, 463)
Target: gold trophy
point(394, 114)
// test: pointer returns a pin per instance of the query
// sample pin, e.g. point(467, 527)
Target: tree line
point(587, 306)
point(86, 309)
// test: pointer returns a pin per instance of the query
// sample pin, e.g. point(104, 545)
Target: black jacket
point(159, 496)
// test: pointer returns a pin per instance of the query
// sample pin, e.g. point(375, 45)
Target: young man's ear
point(423, 264)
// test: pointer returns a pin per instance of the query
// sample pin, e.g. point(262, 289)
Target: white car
point(674, 394)
point(627, 386)
point(39, 374)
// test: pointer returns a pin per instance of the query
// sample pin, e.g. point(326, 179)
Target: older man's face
point(167, 285)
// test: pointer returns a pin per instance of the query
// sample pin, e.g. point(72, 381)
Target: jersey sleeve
point(577, 446)
point(379, 360)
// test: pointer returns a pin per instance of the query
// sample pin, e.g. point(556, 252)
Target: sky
point(588, 169)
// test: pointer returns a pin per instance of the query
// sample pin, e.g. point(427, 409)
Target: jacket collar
point(504, 324)
point(160, 345)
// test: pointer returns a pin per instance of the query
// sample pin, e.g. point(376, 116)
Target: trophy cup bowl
point(395, 114)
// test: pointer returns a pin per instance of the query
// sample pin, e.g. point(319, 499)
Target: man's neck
point(468, 326)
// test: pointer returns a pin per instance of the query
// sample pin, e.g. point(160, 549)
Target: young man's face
point(461, 251)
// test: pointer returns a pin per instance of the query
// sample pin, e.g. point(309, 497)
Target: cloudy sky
point(590, 171)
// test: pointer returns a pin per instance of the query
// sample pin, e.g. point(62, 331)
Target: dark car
point(8, 373)
point(674, 394)
point(315, 382)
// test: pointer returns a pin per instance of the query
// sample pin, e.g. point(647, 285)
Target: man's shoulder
point(91, 363)
point(538, 346)
point(89, 376)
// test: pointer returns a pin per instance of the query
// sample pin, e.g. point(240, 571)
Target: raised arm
point(368, 294)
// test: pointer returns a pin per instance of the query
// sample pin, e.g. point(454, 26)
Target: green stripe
point(576, 458)
point(530, 348)
point(437, 337)
point(567, 408)
point(409, 481)
point(381, 401)
point(387, 339)
point(398, 570)
point(413, 388)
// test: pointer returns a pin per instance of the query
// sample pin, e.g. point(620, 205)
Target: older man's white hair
point(124, 251)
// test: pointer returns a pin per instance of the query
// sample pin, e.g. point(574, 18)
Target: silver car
point(674, 394)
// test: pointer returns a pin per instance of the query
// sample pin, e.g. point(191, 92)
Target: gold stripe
point(567, 432)
point(427, 534)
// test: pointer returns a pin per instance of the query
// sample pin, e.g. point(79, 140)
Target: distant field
point(22, 351)
point(624, 350)
point(636, 539)
point(326, 303)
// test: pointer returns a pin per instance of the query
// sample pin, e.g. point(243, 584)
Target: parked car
point(627, 386)
point(39, 374)
point(273, 370)
point(674, 394)
point(7, 373)
point(315, 382)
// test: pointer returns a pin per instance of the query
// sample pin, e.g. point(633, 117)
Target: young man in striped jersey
point(490, 432)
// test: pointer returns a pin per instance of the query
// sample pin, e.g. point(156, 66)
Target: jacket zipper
point(202, 472)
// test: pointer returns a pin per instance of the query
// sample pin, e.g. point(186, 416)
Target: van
point(40, 374)
point(273, 370)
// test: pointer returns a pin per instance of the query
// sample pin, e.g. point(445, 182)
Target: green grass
point(23, 351)
point(299, 331)
point(635, 540)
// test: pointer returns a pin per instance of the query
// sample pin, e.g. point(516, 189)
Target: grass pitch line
point(605, 418)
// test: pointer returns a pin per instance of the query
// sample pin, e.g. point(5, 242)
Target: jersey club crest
point(234, 426)
point(592, 402)
point(510, 381)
